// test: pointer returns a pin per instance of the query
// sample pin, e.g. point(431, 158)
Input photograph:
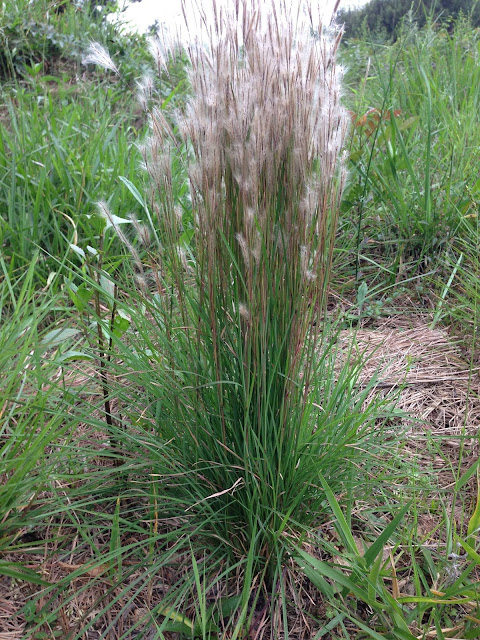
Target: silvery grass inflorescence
point(266, 128)
point(263, 135)
point(262, 138)
point(97, 54)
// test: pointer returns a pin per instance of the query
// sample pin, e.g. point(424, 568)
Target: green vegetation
point(383, 18)
point(413, 147)
point(239, 351)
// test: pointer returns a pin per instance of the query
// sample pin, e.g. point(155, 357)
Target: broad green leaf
point(120, 324)
point(77, 250)
point(107, 285)
point(80, 296)
point(113, 221)
point(361, 295)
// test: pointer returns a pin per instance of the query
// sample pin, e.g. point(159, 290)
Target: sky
point(142, 14)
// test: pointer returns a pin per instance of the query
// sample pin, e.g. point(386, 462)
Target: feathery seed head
point(143, 232)
point(240, 238)
point(157, 52)
point(145, 90)
point(305, 261)
point(244, 312)
point(249, 216)
point(183, 259)
point(97, 54)
point(104, 212)
point(141, 281)
point(160, 127)
point(264, 132)
point(178, 214)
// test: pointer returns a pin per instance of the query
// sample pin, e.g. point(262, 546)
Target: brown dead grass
point(438, 386)
point(426, 374)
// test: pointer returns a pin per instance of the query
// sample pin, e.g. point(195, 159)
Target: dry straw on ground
point(439, 390)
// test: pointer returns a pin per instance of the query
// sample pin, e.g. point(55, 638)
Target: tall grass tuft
point(264, 131)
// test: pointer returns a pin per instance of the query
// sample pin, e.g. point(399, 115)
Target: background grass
point(414, 144)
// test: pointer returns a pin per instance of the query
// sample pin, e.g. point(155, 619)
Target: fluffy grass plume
point(266, 129)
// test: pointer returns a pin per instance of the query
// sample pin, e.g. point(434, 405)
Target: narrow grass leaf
point(343, 528)
point(372, 551)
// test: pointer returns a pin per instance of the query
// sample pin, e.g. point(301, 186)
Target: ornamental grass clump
point(241, 305)
point(264, 132)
